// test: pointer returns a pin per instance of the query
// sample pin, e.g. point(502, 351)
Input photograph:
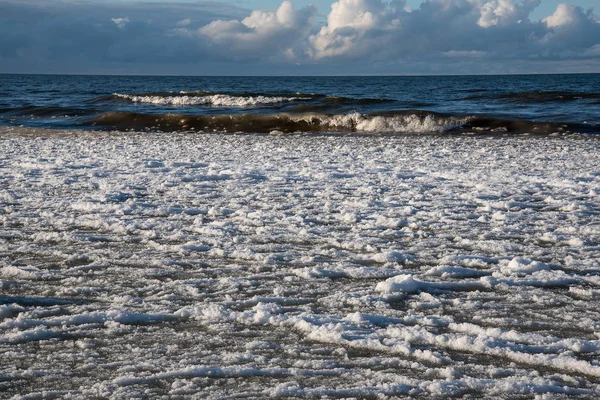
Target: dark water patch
point(41, 91)
point(39, 111)
point(315, 108)
point(49, 111)
point(417, 104)
point(537, 97)
point(411, 121)
point(357, 101)
point(5, 108)
point(103, 99)
point(521, 126)
point(298, 95)
point(476, 90)
point(246, 123)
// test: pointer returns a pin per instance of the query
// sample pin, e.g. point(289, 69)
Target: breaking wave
point(398, 122)
point(243, 100)
point(215, 100)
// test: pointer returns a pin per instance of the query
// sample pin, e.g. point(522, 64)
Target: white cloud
point(359, 14)
point(184, 22)
point(564, 15)
point(502, 12)
point(121, 22)
point(388, 32)
point(262, 34)
point(570, 32)
point(355, 26)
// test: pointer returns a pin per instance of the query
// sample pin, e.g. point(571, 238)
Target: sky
point(299, 37)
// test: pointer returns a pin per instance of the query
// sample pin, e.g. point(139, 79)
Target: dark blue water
point(514, 104)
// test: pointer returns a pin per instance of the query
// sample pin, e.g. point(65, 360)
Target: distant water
point(539, 104)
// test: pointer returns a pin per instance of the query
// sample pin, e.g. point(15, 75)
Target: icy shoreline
point(216, 266)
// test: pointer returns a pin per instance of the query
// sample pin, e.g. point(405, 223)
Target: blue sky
point(299, 37)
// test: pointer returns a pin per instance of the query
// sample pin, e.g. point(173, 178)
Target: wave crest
point(408, 123)
point(214, 100)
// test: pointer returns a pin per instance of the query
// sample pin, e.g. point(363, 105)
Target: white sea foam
point(410, 123)
point(215, 266)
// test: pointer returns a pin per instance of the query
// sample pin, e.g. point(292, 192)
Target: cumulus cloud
point(359, 14)
point(564, 15)
point(364, 36)
point(504, 12)
point(354, 28)
point(496, 30)
point(264, 33)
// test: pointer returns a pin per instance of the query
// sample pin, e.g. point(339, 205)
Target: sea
point(534, 104)
point(300, 237)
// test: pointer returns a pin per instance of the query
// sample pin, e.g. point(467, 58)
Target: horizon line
point(297, 76)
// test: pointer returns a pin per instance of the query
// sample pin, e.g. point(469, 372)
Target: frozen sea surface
point(249, 266)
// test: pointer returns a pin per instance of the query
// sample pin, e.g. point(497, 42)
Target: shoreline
point(37, 132)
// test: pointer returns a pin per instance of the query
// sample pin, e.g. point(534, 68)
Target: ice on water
point(166, 265)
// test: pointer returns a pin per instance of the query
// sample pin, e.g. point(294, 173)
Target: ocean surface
point(541, 104)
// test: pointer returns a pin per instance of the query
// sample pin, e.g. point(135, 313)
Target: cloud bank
point(359, 36)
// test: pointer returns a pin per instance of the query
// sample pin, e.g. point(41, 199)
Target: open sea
point(539, 104)
point(300, 238)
